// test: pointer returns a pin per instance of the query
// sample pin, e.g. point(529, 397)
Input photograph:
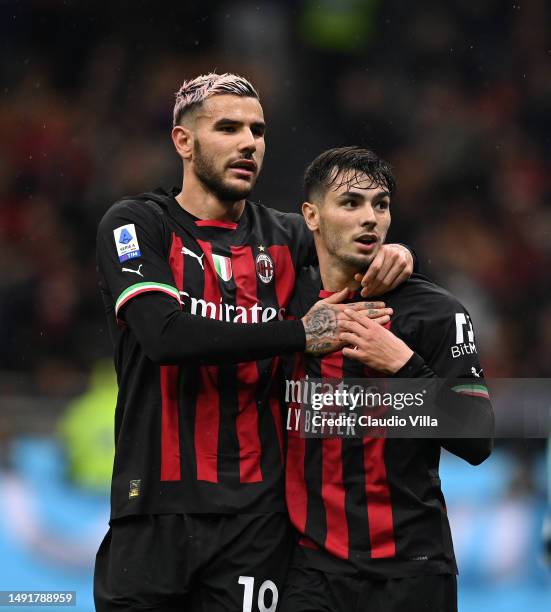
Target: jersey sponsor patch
point(464, 336)
point(134, 490)
point(126, 241)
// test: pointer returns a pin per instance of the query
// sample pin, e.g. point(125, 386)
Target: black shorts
point(193, 562)
point(308, 589)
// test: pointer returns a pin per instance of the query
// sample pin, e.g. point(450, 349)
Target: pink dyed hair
point(197, 90)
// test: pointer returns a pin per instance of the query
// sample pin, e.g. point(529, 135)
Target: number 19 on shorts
point(248, 594)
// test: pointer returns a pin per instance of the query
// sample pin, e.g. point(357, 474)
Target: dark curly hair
point(347, 163)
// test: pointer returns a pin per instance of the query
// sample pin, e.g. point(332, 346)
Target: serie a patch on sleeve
point(126, 240)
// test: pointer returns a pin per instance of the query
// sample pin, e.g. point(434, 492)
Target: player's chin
point(238, 189)
point(241, 186)
point(360, 261)
point(368, 259)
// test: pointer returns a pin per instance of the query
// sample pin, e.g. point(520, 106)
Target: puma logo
point(477, 374)
point(138, 271)
point(186, 251)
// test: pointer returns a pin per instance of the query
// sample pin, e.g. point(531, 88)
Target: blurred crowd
point(455, 95)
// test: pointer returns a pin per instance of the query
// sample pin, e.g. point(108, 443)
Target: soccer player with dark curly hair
point(373, 533)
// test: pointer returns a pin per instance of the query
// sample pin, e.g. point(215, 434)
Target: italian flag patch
point(222, 266)
point(474, 390)
point(138, 288)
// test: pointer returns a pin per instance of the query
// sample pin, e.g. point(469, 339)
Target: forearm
point(459, 413)
point(169, 336)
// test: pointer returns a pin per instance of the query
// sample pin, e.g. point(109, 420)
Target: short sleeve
point(132, 253)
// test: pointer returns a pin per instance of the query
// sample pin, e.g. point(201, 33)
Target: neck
point(197, 200)
point(335, 275)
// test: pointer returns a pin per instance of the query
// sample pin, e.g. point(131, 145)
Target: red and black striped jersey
point(374, 505)
point(193, 435)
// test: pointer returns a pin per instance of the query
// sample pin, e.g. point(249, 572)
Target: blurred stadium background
point(455, 94)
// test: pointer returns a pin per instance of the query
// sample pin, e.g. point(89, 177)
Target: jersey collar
point(208, 228)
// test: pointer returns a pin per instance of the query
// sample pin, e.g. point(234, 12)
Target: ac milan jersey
point(193, 437)
point(375, 505)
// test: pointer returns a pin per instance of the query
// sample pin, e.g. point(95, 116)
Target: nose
point(368, 218)
point(248, 142)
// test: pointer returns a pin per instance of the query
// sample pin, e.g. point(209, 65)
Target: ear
point(311, 215)
point(182, 138)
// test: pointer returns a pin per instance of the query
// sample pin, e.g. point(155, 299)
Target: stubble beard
point(212, 179)
point(334, 246)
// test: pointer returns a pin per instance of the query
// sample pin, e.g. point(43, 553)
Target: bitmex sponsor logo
point(231, 313)
point(463, 345)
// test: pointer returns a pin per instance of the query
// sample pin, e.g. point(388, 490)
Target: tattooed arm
point(323, 322)
point(320, 325)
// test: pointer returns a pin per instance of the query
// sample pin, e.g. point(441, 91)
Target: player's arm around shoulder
point(393, 264)
point(135, 250)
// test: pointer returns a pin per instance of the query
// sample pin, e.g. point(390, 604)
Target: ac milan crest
point(265, 267)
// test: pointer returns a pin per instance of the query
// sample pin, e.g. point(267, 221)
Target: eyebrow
point(228, 121)
point(357, 196)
